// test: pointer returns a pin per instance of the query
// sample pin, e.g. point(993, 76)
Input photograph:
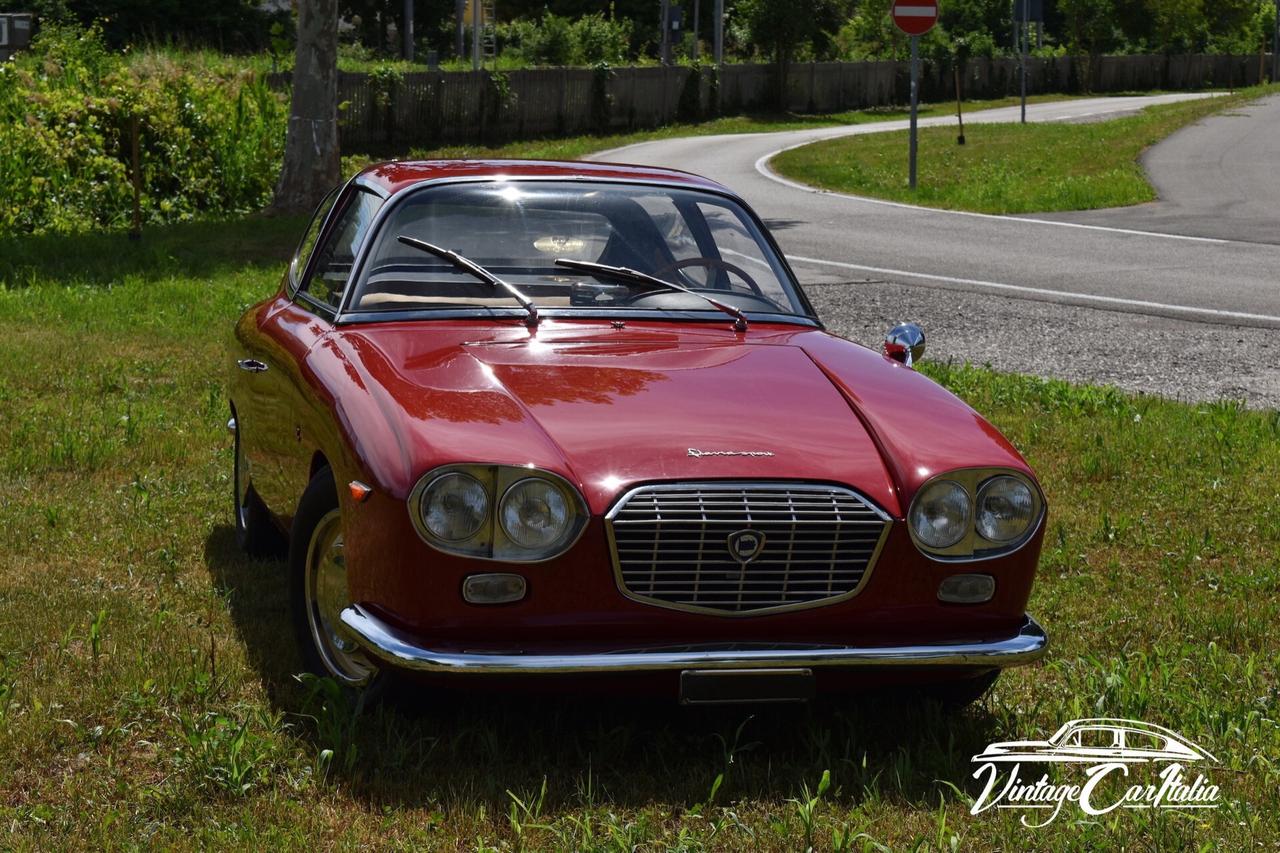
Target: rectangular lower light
point(493, 588)
point(967, 589)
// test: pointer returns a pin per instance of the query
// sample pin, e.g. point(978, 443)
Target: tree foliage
point(231, 25)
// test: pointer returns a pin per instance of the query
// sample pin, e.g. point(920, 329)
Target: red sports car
point(521, 420)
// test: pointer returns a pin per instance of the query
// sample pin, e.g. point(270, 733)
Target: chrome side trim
point(396, 649)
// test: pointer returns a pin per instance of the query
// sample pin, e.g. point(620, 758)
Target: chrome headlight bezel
point(973, 545)
point(491, 541)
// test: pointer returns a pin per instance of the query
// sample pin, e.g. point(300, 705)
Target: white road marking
point(1042, 291)
point(762, 166)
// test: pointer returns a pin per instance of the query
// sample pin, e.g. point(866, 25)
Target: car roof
point(398, 175)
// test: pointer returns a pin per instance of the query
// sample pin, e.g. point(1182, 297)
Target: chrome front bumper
point(390, 646)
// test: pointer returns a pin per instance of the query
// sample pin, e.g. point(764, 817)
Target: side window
point(1145, 741)
point(308, 244)
point(1095, 738)
point(333, 264)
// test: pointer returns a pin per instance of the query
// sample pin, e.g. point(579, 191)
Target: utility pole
point(460, 16)
point(1275, 47)
point(475, 35)
point(666, 32)
point(693, 51)
point(718, 39)
point(408, 30)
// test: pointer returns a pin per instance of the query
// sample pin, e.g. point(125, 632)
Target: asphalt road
point(1217, 178)
point(1187, 315)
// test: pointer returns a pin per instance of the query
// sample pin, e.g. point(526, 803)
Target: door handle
point(251, 364)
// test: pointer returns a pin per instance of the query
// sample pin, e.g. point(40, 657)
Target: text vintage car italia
point(534, 419)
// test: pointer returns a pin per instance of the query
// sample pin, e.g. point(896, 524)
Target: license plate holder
point(733, 686)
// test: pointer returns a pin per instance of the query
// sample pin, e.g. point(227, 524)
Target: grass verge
point(1006, 168)
point(146, 689)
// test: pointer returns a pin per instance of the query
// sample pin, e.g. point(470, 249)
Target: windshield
point(518, 230)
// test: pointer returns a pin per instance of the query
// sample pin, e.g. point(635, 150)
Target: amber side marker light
point(359, 491)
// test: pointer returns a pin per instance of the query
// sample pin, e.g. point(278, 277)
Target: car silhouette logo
point(1096, 740)
point(745, 545)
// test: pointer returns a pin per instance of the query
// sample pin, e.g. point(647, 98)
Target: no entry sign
point(914, 17)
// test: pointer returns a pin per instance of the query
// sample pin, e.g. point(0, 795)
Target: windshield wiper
point(628, 274)
point(470, 266)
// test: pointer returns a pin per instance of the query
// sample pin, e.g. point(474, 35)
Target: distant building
point(15, 32)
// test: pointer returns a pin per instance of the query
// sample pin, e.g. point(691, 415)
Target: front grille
point(672, 545)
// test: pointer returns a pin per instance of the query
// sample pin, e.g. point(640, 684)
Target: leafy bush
point(210, 143)
point(556, 40)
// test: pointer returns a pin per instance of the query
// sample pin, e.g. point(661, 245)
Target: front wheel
point(318, 587)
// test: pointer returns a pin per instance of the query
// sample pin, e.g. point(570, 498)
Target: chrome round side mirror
point(905, 343)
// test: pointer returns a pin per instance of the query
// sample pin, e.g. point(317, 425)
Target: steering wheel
point(714, 263)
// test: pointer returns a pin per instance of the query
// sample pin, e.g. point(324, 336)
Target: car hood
point(610, 408)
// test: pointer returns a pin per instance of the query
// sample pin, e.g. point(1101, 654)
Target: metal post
point(408, 30)
point(693, 51)
point(666, 31)
point(476, 23)
point(460, 17)
point(718, 40)
point(915, 103)
point(1026, 25)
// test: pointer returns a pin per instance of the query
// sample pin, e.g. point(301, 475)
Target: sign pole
point(914, 18)
point(915, 103)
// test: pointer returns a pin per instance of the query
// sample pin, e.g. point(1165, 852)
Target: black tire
point(956, 695)
point(317, 589)
point(256, 533)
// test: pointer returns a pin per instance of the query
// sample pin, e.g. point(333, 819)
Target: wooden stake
point(135, 233)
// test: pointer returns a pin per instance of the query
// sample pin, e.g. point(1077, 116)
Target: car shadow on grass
point(426, 745)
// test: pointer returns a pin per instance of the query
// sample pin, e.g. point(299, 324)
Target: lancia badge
point(745, 545)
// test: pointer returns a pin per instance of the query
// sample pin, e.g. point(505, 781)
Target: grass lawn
point(1006, 168)
point(146, 689)
point(576, 147)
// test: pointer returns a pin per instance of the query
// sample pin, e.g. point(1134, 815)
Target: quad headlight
point(1006, 508)
point(454, 507)
point(974, 513)
point(536, 513)
point(497, 512)
point(940, 514)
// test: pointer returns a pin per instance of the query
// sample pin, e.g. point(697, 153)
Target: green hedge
point(210, 142)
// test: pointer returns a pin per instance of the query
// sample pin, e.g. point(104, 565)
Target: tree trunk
point(311, 163)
